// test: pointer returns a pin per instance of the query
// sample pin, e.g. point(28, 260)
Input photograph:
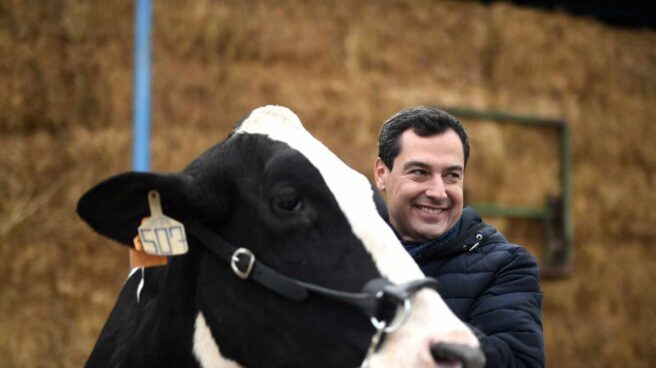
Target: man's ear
point(116, 206)
point(381, 206)
point(380, 174)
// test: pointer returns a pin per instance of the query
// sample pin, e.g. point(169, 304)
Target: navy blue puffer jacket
point(493, 286)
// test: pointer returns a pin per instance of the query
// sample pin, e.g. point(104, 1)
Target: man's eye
point(418, 172)
point(453, 175)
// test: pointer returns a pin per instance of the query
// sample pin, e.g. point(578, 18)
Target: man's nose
point(436, 189)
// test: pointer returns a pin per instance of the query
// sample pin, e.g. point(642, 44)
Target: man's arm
point(507, 316)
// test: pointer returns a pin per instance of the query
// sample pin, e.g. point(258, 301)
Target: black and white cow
point(313, 229)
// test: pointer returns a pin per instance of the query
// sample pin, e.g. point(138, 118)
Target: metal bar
point(141, 99)
point(548, 236)
point(558, 249)
point(467, 113)
point(566, 190)
point(487, 209)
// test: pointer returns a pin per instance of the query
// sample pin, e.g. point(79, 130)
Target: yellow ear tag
point(161, 235)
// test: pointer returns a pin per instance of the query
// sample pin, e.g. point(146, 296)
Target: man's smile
point(430, 210)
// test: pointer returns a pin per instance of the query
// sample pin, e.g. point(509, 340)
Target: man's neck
point(416, 248)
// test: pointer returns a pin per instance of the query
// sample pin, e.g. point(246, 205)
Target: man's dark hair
point(425, 122)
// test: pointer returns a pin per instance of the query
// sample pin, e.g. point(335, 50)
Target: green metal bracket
point(557, 251)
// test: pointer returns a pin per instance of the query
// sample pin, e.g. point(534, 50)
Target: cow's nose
point(450, 354)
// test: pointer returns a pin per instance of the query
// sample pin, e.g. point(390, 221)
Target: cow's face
point(281, 209)
point(278, 206)
point(274, 189)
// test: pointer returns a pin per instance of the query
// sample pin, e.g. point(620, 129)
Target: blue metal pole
point(141, 102)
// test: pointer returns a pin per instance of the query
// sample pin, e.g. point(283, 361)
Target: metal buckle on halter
point(235, 260)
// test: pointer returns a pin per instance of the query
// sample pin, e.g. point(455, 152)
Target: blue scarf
point(416, 249)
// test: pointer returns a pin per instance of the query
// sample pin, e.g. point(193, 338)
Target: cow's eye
point(288, 201)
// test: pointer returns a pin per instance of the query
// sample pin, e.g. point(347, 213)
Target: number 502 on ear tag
point(159, 234)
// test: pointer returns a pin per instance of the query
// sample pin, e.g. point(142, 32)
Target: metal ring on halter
point(399, 321)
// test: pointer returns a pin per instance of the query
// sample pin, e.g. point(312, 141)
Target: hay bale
point(65, 111)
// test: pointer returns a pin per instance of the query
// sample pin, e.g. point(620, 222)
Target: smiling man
point(489, 283)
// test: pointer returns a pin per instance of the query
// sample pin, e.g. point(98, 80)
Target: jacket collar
point(467, 235)
point(417, 249)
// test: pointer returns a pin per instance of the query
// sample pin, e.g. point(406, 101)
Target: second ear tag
point(162, 235)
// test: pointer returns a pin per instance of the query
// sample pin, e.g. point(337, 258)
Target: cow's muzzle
point(450, 353)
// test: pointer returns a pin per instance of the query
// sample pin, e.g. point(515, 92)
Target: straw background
point(66, 71)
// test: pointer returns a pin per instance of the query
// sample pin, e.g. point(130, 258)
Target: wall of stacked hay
point(65, 123)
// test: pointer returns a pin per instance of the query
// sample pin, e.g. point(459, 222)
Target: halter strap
point(377, 298)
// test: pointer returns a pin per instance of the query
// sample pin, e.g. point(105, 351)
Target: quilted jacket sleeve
point(507, 318)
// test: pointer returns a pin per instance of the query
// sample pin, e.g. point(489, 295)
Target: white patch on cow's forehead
point(205, 348)
point(350, 188)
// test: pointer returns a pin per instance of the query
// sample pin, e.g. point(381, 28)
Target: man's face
point(424, 190)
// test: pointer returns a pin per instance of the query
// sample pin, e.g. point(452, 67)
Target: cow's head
point(274, 189)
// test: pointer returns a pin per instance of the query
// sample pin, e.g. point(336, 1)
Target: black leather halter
point(379, 298)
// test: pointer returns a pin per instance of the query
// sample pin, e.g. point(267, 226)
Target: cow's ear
point(116, 206)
